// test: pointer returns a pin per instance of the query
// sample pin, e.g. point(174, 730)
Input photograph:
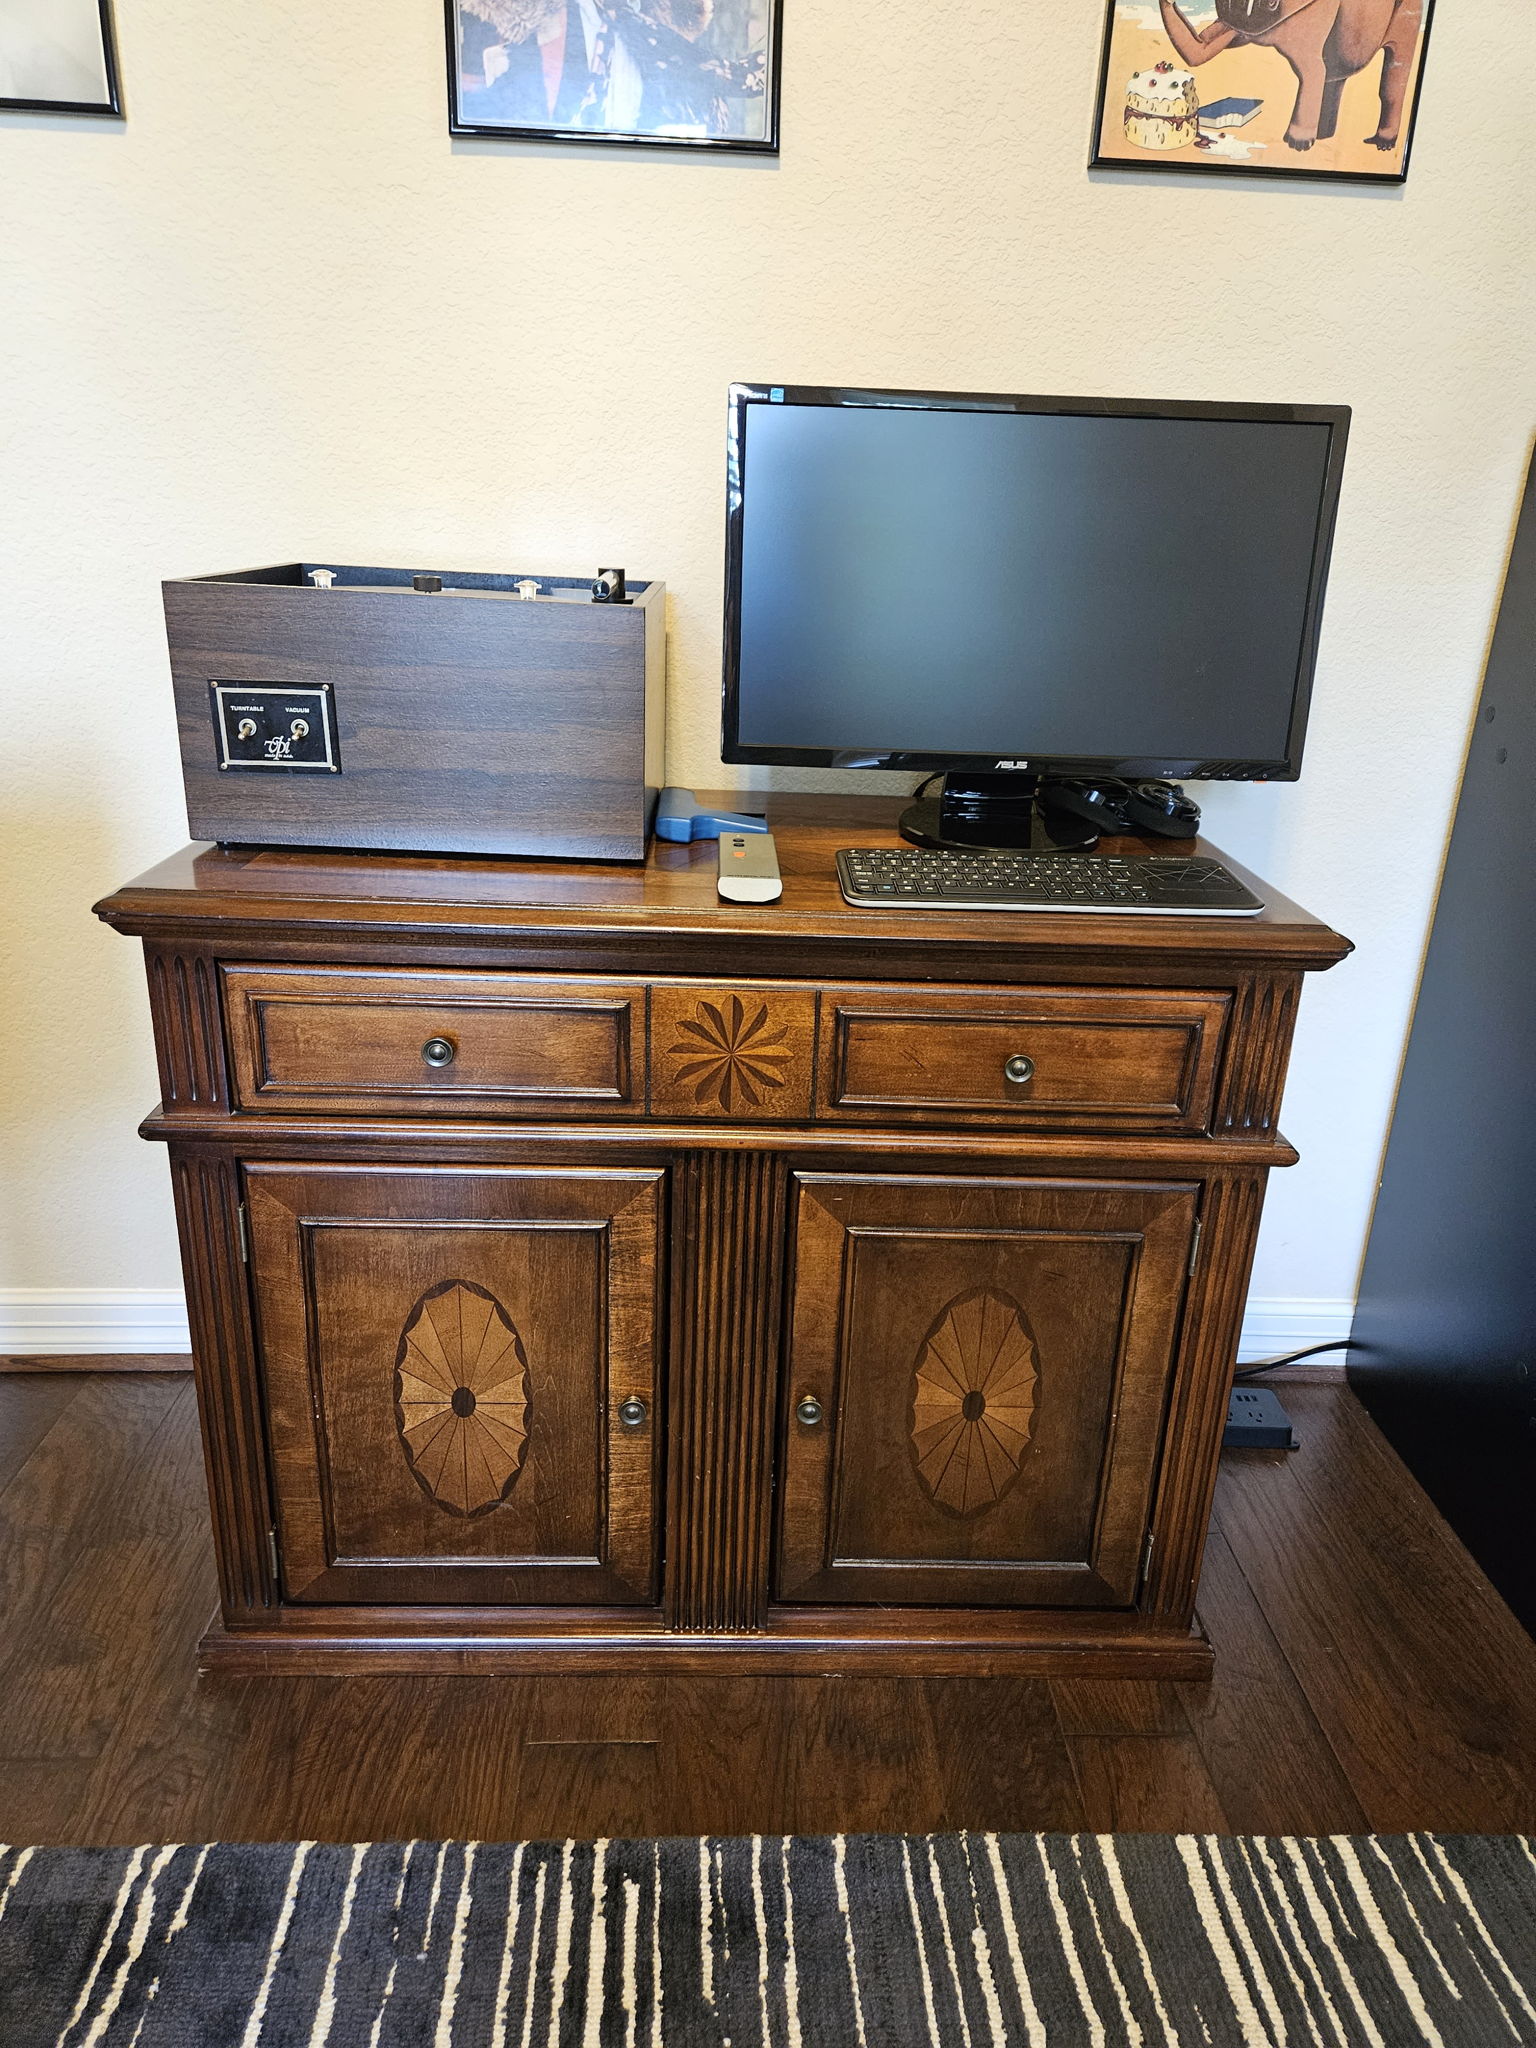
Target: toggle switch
point(247, 728)
point(299, 729)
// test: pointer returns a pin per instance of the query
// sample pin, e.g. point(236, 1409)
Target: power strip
point(1257, 1422)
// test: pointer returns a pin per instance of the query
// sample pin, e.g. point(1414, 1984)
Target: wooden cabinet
point(974, 1387)
point(584, 1272)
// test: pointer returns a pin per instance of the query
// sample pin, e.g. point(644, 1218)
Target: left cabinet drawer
point(398, 1042)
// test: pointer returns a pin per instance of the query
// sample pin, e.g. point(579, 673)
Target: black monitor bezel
point(734, 749)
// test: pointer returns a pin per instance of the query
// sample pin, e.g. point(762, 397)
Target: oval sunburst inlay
point(461, 1398)
point(973, 1401)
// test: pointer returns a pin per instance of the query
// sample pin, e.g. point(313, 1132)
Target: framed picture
point(681, 74)
point(57, 57)
point(1294, 88)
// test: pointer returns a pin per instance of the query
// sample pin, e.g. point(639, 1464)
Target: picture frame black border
point(707, 144)
point(736, 751)
point(1286, 173)
point(110, 109)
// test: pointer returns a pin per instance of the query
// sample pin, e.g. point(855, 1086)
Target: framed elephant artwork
point(1291, 88)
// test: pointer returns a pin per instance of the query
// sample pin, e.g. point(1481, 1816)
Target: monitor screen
point(935, 581)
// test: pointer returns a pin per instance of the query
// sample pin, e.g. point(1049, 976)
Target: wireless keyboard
point(925, 878)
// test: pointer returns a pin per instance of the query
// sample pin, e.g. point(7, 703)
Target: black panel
point(1445, 1335)
point(276, 727)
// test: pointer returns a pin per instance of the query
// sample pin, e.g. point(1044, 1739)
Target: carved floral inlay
point(461, 1398)
point(973, 1401)
point(730, 1056)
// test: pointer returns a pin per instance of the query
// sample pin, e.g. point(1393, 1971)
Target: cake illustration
point(1162, 108)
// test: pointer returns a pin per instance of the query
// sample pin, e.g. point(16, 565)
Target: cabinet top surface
point(672, 891)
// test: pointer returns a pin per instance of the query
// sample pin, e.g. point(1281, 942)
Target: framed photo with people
point(678, 74)
point(57, 57)
point(1274, 88)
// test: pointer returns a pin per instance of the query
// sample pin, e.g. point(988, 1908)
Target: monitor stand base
point(994, 814)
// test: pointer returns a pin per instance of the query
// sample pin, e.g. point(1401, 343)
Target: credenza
point(586, 1273)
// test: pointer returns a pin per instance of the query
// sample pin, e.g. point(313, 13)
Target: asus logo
point(1013, 764)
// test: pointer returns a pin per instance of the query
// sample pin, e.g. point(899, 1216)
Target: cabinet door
point(975, 1385)
point(447, 1359)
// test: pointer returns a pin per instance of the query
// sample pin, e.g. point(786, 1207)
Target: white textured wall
point(279, 313)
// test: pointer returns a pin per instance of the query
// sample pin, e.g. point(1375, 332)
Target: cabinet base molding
point(1047, 1646)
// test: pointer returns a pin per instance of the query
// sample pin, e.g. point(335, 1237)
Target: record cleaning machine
point(434, 712)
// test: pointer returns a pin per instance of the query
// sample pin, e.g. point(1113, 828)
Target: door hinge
point(1146, 1557)
point(245, 1239)
point(277, 1570)
point(1194, 1249)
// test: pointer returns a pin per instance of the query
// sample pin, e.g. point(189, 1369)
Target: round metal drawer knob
point(1020, 1068)
point(438, 1052)
point(632, 1413)
point(809, 1410)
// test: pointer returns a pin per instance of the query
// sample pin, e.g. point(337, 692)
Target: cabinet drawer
point(408, 1043)
point(1083, 1059)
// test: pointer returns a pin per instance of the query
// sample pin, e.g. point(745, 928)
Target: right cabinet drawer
point(1044, 1058)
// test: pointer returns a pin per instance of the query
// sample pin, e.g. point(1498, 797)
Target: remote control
point(749, 868)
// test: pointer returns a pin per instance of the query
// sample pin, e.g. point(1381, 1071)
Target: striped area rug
point(1054, 1941)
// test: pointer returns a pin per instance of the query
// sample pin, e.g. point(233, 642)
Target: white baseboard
point(1275, 1324)
point(37, 1322)
point(47, 1322)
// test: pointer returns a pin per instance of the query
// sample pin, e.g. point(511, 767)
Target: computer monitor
point(1019, 589)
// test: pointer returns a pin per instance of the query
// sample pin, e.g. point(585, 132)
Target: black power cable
point(1252, 1372)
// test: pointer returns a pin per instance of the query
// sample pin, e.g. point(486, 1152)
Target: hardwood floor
point(1367, 1678)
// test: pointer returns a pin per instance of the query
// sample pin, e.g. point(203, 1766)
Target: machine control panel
point(276, 725)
